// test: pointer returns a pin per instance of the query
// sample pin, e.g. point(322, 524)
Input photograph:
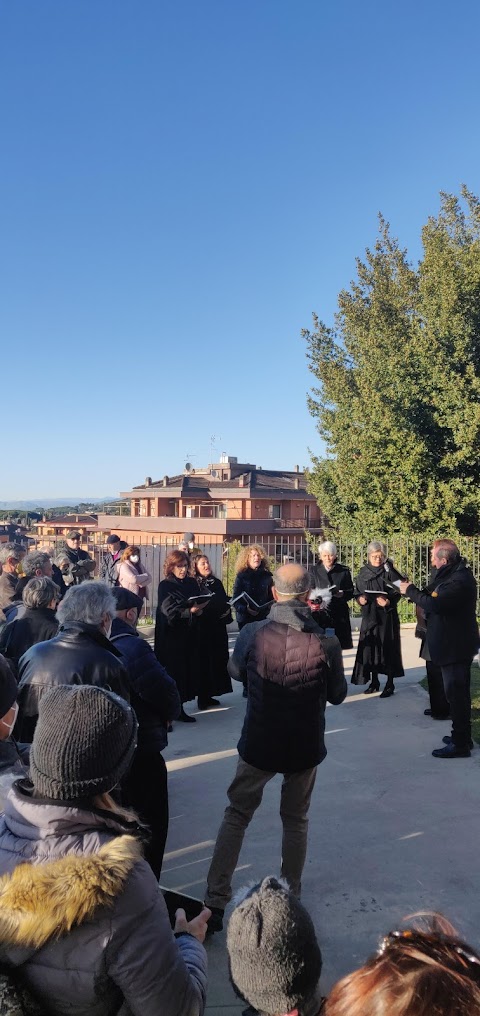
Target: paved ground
point(392, 830)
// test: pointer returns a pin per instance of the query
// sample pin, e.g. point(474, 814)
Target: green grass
point(475, 692)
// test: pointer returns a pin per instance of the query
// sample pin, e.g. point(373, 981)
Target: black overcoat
point(213, 640)
point(176, 645)
point(450, 610)
point(379, 647)
point(257, 582)
point(337, 614)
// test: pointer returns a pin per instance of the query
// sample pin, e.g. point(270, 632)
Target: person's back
point(38, 622)
point(84, 921)
point(80, 653)
point(289, 683)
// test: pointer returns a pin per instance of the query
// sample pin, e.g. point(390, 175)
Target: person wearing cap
point(188, 546)
point(81, 653)
point(10, 556)
point(111, 560)
point(13, 757)
point(290, 681)
point(81, 563)
point(155, 698)
point(84, 923)
point(274, 957)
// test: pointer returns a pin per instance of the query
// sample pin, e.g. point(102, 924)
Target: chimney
point(241, 480)
point(297, 469)
point(148, 481)
point(165, 481)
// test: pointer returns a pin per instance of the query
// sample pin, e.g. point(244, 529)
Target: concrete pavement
point(392, 830)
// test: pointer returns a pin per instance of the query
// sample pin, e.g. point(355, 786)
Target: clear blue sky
point(182, 184)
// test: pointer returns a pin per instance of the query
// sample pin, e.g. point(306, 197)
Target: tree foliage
point(397, 399)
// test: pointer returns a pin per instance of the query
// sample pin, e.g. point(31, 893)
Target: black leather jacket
point(79, 654)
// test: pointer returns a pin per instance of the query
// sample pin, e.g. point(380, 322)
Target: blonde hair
point(241, 564)
point(129, 551)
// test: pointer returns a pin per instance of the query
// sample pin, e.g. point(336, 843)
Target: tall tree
point(397, 401)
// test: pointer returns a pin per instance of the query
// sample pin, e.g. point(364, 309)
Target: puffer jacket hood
point(40, 902)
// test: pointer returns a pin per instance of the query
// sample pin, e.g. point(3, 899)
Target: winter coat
point(258, 583)
point(379, 650)
point(37, 625)
point(153, 693)
point(289, 684)
point(176, 629)
point(213, 640)
point(8, 585)
point(79, 654)
point(131, 579)
point(109, 569)
point(337, 614)
point(85, 919)
point(450, 610)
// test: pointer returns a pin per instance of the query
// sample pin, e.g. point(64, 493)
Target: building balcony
point(208, 527)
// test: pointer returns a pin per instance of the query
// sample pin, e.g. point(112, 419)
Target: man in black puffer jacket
point(452, 636)
point(289, 684)
point(81, 653)
point(155, 699)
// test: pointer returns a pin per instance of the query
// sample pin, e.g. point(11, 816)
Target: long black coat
point(257, 582)
point(337, 614)
point(450, 610)
point(379, 647)
point(176, 634)
point(213, 640)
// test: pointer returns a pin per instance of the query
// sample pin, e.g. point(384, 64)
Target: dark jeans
point(145, 790)
point(436, 690)
point(456, 680)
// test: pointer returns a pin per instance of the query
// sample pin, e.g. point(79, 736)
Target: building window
point(274, 511)
point(306, 514)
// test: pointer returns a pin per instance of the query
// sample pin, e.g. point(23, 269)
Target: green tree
point(397, 400)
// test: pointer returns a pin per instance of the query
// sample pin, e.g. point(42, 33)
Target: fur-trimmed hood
point(39, 902)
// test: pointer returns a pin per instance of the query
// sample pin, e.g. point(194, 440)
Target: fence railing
point(410, 556)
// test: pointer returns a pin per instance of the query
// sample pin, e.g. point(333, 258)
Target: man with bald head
point(290, 679)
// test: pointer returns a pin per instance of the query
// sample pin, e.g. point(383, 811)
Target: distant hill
point(52, 502)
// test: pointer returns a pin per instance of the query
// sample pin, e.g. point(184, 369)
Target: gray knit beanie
point(275, 959)
point(83, 743)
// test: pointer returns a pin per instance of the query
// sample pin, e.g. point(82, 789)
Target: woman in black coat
point(327, 573)
point(176, 628)
point(212, 637)
point(255, 578)
point(379, 650)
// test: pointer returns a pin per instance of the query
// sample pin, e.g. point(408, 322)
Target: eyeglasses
point(435, 947)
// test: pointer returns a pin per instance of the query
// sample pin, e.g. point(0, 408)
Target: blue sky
point(182, 184)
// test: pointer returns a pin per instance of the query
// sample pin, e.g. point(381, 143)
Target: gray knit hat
point(83, 743)
point(275, 959)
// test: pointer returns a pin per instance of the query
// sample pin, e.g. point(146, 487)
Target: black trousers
point(456, 681)
point(436, 690)
point(145, 790)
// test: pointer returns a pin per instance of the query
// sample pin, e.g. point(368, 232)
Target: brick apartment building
point(225, 501)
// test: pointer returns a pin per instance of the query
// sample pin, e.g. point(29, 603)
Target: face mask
point(191, 546)
point(134, 558)
point(9, 726)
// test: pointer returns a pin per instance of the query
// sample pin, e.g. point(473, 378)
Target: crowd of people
point(86, 705)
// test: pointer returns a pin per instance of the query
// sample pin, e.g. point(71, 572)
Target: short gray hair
point(377, 545)
point(35, 559)
point(87, 603)
point(292, 588)
point(39, 592)
point(8, 550)
point(327, 547)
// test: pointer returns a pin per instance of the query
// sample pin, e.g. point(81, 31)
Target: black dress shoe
point(448, 740)
point(185, 718)
point(436, 716)
point(387, 691)
point(215, 922)
point(451, 751)
point(210, 703)
point(372, 688)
